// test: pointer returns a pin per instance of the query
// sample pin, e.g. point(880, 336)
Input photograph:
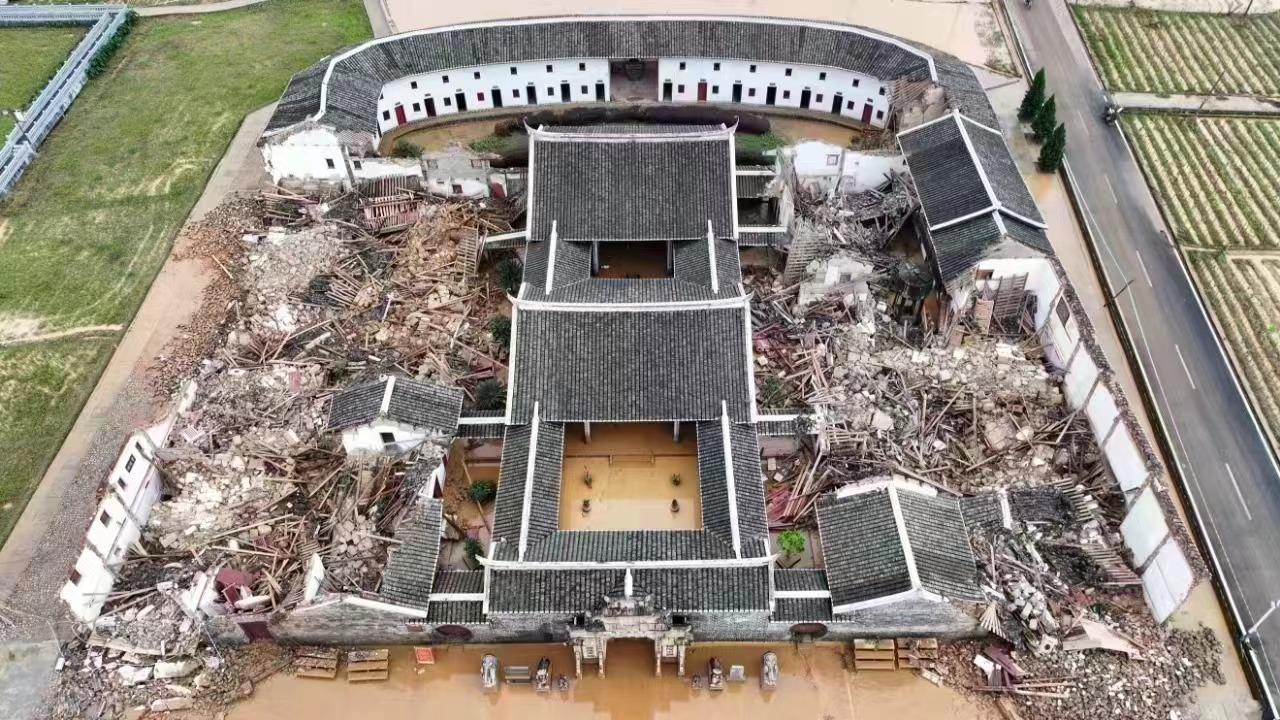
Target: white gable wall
point(306, 155)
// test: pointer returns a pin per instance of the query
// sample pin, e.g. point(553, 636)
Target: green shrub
point(405, 149)
point(791, 542)
point(510, 275)
point(98, 64)
point(1046, 119)
point(490, 395)
point(500, 330)
point(1034, 99)
point(1054, 148)
point(473, 550)
point(482, 491)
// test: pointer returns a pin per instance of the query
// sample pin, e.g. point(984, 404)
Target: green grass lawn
point(90, 224)
point(6, 124)
point(30, 56)
point(1173, 52)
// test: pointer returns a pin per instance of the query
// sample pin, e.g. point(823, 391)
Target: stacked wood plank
point(368, 665)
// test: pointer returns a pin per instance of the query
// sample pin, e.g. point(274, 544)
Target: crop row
point(1194, 53)
point(1244, 295)
point(1215, 177)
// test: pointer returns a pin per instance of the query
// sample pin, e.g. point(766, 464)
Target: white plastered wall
point(309, 154)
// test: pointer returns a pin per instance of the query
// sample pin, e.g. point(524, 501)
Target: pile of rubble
point(1138, 671)
point(311, 295)
point(963, 416)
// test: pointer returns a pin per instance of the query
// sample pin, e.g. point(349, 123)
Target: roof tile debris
point(414, 403)
point(411, 567)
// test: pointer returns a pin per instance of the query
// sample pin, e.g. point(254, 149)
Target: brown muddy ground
point(813, 685)
point(965, 29)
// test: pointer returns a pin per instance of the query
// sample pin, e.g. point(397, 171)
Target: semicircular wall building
point(336, 112)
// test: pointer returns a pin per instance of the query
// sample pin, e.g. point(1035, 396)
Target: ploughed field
point(1193, 53)
point(85, 231)
point(1215, 179)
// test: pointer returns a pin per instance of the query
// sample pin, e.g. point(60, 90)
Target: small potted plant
point(676, 480)
point(587, 479)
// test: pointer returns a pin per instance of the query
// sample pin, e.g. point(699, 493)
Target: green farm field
point(88, 227)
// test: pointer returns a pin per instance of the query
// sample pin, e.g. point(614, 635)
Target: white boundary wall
point(51, 104)
point(132, 489)
point(1167, 576)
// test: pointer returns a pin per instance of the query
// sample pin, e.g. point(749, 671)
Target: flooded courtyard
point(813, 684)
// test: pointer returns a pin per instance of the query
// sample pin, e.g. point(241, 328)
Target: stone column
point(680, 655)
point(657, 658)
point(604, 646)
point(577, 659)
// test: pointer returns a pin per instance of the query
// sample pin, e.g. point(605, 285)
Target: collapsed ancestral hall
point(632, 320)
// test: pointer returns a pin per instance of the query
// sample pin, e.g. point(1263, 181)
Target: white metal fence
point(51, 104)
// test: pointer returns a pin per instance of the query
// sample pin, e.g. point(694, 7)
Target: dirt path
point(158, 10)
point(61, 335)
point(38, 554)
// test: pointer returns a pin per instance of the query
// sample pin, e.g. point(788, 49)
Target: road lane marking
point(1239, 495)
point(1143, 265)
point(1185, 369)
point(1107, 180)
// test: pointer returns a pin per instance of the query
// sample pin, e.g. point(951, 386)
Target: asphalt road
point(1228, 470)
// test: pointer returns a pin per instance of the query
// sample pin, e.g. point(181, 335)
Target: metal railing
point(55, 99)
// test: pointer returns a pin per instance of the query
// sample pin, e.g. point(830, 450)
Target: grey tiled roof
point(572, 281)
point(1029, 235)
point(355, 405)
point(629, 546)
point(489, 431)
point(761, 239)
point(415, 403)
point(797, 610)
point(357, 80)
point(982, 511)
point(800, 579)
point(1001, 170)
point(411, 567)
point(862, 548)
point(640, 189)
point(753, 186)
point(945, 173)
point(957, 248)
point(679, 590)
point(630, 366)
point(455, 612)
point(459, 581)
point(544, 509)
point(629, 129)
point(940, 545)
point(747, 481)
point(1042, 504)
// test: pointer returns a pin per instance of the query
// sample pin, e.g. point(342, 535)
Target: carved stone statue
point(769, 671)
point(542, 677)
point(715, 674)
point(489, 673)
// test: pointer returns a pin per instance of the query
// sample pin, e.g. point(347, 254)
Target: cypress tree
point(1053, 150)
point(1034, 98)
point(1046, 119)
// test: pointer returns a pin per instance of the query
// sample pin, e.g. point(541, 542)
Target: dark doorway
point(771, 95)
point(866, 113)
point(256, 630)
point(531, 94)
point(400, 117)
point(737, 92)
point(702, 91)
point(837, 102)
point(461, 101)
point(666, 91)
point(805, 95)
point(430, 102)
point(497, 97)
point(565, 92)
point(599, 92)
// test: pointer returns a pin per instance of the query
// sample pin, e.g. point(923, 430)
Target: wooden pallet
point(368, 665)
point(917, 653)
point(874, 654)
point(319, 663)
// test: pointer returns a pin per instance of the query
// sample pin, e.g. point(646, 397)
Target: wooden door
point(702, 91)
point(400, 116)
point(866, 113)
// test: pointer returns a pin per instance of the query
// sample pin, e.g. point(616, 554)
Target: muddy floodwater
point(813, 685)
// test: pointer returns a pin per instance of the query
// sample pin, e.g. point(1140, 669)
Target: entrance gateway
point(629, 616)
